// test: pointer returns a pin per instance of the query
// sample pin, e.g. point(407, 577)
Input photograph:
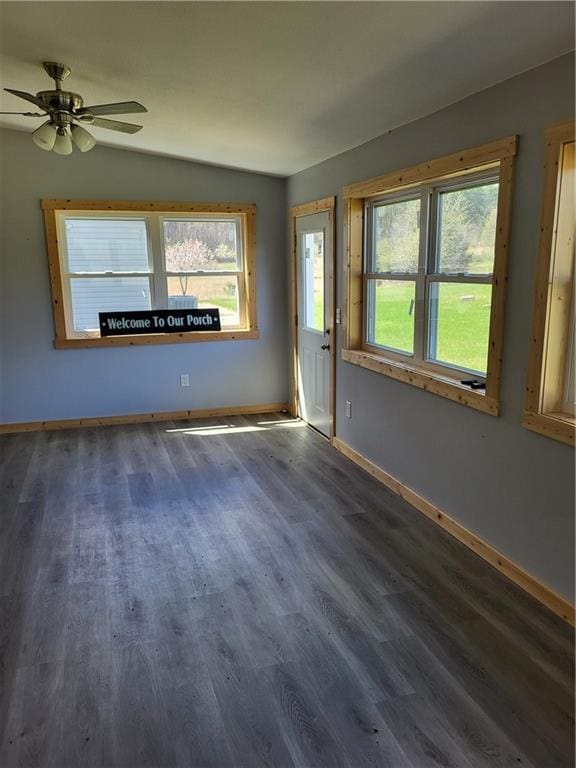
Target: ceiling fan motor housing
point(61, 100)
point(61, 105)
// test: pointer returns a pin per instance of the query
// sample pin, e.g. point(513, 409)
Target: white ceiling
point(267, 86)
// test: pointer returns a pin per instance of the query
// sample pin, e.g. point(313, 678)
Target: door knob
point(325, 346)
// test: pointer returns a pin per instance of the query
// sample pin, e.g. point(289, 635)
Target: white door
point(314, 312)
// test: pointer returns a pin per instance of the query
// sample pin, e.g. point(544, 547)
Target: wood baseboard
point(135, 418)
point(537, 590)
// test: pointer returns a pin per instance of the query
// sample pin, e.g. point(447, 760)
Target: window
point(427, 251)
point(429, 288)
point(550, 394)
point(107, 257)
point(314, 281)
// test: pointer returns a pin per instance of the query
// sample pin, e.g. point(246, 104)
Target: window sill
point(558, 426)
point(417, 377)
point(155, 338)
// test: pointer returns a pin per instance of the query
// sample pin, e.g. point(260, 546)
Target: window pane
point(390, 321)
point(314, 280)
point(187, 292)
point(91, 295)
point(196, 245)
point(459, 324)
point(396, 236)
point(106, 245)
point(467, 229)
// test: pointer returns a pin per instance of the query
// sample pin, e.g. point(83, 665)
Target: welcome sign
point(158, 321)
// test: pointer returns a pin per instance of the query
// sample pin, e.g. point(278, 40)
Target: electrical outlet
point(348, 409)
point(184, 380)
point(338, 316)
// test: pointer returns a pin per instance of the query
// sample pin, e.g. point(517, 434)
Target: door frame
point(326, 204)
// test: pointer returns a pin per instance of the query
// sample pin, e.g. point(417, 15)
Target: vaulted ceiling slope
point(273, 87)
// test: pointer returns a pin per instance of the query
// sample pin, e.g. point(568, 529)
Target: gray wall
point(512, 487)
point(39, 382)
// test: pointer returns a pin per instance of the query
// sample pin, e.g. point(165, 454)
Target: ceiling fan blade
point(29, 97)
point(114, 125)
point(120, 108)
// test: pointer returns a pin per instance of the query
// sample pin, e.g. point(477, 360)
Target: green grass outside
point(462, 327)
point(319, 313)
point(225, 302)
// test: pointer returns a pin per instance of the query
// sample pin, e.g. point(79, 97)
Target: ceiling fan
point(67, 115)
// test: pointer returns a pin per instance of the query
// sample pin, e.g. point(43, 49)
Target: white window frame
point(371, 275)
point(163, 273)
point(427, 273)
point(68, 276)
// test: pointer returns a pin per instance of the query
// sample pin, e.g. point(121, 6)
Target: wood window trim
point(497, 154)
point(541, 416)
point(431, 382)
point(247, 213)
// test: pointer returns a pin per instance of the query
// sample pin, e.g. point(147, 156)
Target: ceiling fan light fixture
point(82, 138)
point(63, 143)
point(65, 109)
point(45, 136)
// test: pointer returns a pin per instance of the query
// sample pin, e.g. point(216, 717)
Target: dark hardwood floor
point(185, 595)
